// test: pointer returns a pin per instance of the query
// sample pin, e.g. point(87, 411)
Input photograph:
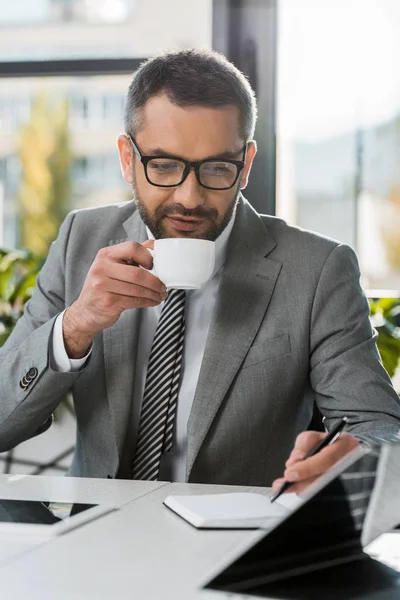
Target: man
point(281, 323)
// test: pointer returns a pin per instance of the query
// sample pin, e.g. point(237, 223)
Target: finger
point(135, 275)
point(294, 457)
point(301, 485)
point(127, 302)
point(131, 253)
point(294, 487)
point(323, 460)
point(305, 443)
point(277, 484)
point(149, 244)
point(121, 288)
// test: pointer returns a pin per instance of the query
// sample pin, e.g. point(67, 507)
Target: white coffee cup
point(183, 263)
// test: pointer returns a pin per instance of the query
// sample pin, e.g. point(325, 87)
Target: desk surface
point(141, 551)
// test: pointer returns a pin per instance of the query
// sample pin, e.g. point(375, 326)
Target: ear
point(250, 154)
point(125, 157)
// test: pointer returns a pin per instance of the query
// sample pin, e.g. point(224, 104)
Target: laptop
point(318, 550)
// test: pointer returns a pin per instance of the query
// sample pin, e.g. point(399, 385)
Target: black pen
point(330, 437)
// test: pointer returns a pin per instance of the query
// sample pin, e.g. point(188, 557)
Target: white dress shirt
point(199, 307)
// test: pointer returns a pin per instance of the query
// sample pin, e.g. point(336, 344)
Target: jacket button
point(32, 373)
point(28, 378)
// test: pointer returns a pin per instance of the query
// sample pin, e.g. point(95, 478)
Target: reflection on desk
point(38, 513)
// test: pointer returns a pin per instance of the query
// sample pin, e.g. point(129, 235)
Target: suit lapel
point(120, 342)
point(245, 291)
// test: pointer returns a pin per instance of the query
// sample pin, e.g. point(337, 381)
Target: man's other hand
point(303, 471)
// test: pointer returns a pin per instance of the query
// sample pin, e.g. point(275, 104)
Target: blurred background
point(328, 87)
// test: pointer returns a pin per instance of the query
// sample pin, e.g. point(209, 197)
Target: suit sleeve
point(346, 372)
point(30, 389)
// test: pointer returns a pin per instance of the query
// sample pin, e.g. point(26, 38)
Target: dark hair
point(191, 78)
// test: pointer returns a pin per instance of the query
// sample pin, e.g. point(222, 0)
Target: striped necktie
point(161, 389)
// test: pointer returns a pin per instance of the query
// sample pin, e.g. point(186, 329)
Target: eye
point(165, 166)
point(218, 169)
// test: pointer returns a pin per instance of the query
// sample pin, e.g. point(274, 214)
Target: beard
point(155, 222)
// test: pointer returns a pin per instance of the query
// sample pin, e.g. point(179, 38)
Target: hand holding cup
point(115, 282)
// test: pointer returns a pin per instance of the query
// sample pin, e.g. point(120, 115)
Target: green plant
point(18, 270)
point(385, 317)
point(45, 189)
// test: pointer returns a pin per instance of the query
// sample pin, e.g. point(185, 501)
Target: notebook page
point(217, 510)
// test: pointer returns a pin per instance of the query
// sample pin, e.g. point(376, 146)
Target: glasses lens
point(165, 171)
point(218, 174)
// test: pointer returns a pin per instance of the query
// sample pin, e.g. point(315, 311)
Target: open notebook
point(243, 510)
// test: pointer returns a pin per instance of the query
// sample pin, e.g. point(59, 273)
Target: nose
point(189, 193)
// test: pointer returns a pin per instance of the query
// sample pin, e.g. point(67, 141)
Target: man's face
point(192, 133)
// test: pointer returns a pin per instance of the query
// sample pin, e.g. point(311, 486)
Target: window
point(338, 111)
point(77, 114)
point(30, 109)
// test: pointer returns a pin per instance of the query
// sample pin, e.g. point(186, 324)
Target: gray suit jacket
point(290, 326)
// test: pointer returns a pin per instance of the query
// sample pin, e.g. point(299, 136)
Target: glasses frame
point(239, 164)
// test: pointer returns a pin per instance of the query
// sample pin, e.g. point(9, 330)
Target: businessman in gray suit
point(281, 324)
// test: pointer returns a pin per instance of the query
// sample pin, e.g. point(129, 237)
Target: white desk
point(64, 489)
point(142, 551)
point(75, 489)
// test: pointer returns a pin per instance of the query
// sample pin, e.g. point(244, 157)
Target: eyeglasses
point(169, 171)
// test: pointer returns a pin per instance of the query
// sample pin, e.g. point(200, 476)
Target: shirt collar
point(221, 243)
